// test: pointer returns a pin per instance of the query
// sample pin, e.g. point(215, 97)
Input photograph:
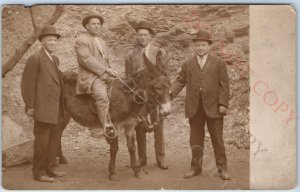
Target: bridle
point(145, 99)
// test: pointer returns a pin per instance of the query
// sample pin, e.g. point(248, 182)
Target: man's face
point(144, 37)
point(93, 26)
point(201, 47)
point(49, 42)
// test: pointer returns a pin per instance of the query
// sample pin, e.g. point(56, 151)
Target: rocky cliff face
point(174, 27)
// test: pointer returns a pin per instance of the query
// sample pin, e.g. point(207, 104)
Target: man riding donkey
point(95, 73)
point(134, 62)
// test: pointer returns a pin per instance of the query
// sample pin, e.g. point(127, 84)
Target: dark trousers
point(158, 135)
point(215, 128)
point(46, 144)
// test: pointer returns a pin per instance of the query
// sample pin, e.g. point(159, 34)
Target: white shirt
point(48, 54)
point(99, 46)
point(146, 50)
point(202, 60)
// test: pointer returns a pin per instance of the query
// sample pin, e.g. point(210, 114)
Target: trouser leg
point(99, 93)
point(215, 128)
point(159, 142)
point(41, 146)
point(197, 138)
point(141, 138)
point(54, 143)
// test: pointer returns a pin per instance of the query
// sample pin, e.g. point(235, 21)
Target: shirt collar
point(203, 59)
point(48, 54)
point(146, 49)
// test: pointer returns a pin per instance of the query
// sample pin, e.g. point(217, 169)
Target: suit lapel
point(100, 49)
point(207, 65)
point(49, 65)
point(55, 59)
point(195, 66)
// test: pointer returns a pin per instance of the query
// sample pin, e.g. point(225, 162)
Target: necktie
point(146, 51)
point(201, 63)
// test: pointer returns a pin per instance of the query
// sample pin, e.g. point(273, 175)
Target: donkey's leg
point(66, 121)
point(131, 148)
point(114, 147)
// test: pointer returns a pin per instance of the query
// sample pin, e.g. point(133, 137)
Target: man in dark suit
point(95, 73)
point(42, 93)
point(207, 97)
point(134, 62)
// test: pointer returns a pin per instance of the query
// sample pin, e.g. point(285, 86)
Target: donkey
point(150, 86)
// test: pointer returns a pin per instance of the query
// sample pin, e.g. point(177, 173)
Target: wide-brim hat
point(48, 30)
point(88, 17)
point(203, 35)
point(144, 25)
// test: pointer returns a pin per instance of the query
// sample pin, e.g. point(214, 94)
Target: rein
point(141, 118)
point(124, 83)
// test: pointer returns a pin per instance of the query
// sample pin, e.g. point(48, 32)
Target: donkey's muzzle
point(165, 109)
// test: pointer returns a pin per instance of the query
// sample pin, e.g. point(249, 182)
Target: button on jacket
point(212, 80)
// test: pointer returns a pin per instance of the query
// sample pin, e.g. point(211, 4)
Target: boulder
point(16, 147)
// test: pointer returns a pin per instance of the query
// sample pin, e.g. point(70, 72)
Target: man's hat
point(202, 35)
point(144, 25)
point(88, 17)
point(48, 30)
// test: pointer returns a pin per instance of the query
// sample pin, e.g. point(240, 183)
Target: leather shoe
point(45, 178)
point(56, 174)
point(224, 175)
point(191, 174)
point(162, 165)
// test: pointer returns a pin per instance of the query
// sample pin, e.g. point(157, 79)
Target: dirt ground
point(88, 157)
point(89, 171)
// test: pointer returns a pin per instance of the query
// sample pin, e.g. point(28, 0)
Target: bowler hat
point(144, 25)
point(87, 18)
point(202, 35)
point(48, 30)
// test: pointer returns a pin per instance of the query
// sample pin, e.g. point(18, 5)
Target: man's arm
point(223, 85)
point(88, 60)
point(29, 81)
point(179, 82)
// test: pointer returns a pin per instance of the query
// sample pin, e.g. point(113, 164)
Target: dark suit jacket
point(91, 62)
point(213, 80)
point(41, 87)
point(134, 60)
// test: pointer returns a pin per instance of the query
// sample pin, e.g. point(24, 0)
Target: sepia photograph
point(148, 97)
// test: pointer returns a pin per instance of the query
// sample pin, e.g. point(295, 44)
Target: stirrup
point(110, 131)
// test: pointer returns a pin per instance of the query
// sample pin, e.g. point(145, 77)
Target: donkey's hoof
point(113, 177)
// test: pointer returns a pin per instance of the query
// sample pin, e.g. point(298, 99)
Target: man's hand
point(30, 112)
point(111, 72)
point(223, 110)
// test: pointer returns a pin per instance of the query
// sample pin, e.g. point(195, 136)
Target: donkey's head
point(159, 83)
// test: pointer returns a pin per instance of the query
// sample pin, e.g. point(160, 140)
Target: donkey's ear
point(149, 65)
